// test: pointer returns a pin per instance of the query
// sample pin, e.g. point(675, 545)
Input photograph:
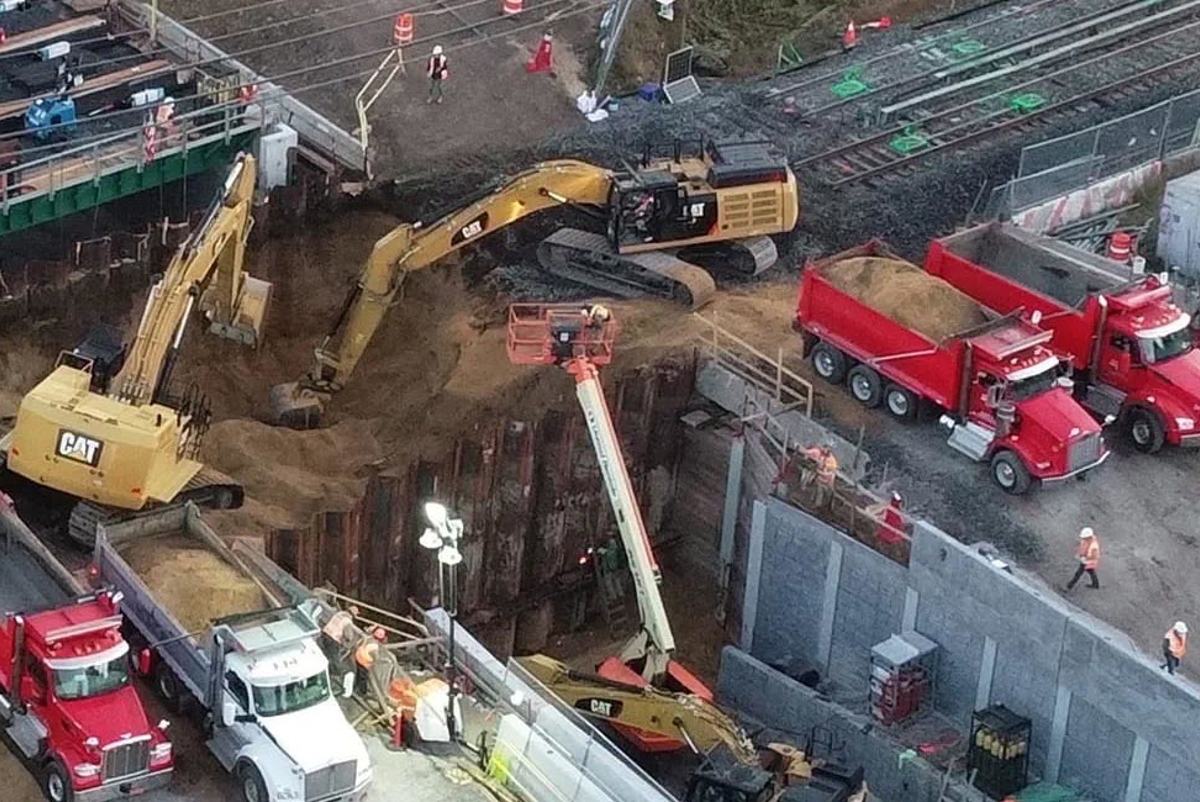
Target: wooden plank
point(100, 83)
point(49, 33)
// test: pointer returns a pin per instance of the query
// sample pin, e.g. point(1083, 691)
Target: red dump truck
point(1132, 349)
point(66, 703)
point(997, 383)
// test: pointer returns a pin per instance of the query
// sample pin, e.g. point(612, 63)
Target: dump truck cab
point(67, 703)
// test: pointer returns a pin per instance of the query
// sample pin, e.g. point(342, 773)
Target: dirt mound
point(193, 583)
point(907, 294)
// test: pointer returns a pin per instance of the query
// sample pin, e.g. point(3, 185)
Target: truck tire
point(169, 688)
point(1145, 430)
point(251, 783)
point(55, 781)
point(829, 363)
point(865, 385)
point(901, 403)
point(1009, 471)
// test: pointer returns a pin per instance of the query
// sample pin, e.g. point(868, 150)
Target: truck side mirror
point(228, 714)
point(348, 684)
point(994, 393)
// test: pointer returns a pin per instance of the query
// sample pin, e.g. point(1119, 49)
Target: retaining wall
point(1106, 719)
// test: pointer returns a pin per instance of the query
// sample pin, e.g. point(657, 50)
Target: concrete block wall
point(1105, 719)
point(781, 704)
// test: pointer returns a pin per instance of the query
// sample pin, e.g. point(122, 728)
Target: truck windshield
point(274, 700)
point(93, 680)
point(1169, 346)
point(1034, 385)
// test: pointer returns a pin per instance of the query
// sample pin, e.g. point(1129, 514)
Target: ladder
point(610, 593)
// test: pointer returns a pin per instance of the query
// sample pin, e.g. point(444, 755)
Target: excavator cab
point(104, 350)
point(723, 777)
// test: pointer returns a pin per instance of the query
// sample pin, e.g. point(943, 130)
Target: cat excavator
point(643, 693)
point(715, 205)
point(107, 427)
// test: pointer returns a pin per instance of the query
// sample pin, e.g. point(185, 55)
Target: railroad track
point(1119, 69)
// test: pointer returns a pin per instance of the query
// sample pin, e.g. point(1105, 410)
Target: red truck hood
point(110, 717)
point(1184, 373)
point(1058, 414)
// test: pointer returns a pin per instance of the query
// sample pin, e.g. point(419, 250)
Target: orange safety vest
point(364, 655)
point(1176, 644)
point(1089, 552)
point(827, 468)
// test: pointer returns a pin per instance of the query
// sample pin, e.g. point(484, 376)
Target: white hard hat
point(1180, 627)
point(437, 50)
point(1086, 532)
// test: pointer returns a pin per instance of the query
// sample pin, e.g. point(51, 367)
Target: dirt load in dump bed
point(907, 294)
point(193, 583)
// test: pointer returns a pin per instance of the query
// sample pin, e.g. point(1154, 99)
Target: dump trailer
point(996, 383)
point(259, 676)
point(1132, 349)
point(66, 703)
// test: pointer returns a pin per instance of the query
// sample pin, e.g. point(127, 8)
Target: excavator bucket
point(249, 316)
point(295, 407)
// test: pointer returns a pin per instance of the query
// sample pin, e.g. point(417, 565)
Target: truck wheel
point(1146, 430)
point(1010, 473)
point(900, 402)
point(865, 385)
point(56, 782)
point(168, 687)
point(251, 783)
point(829, 363)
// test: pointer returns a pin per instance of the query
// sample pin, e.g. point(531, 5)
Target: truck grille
point(1084, 452)
point(330, 781)
point(126, 759)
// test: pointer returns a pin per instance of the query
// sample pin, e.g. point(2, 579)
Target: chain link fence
point(1059, 166)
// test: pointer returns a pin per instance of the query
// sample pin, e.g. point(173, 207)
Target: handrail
point(113, 154)
point(784, 384)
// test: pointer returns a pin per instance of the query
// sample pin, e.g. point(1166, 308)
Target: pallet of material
point(49, 33)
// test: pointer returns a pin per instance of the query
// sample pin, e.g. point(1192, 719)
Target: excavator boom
point(412, 247)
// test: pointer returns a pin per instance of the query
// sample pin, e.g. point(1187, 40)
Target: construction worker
point(1174, 646)
point(1088, 553)
point(364, 658)
point(826, 468)
point(438, 70)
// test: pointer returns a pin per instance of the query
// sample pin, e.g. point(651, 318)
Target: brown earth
point(907, 294)
point(193, 583)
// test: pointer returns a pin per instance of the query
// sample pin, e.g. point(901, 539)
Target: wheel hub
point(1005, 474)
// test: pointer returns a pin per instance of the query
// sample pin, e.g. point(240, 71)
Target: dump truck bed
point(1042, 265)
point(158, 609)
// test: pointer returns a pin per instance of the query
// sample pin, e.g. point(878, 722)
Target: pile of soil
point(907, 294)
point(194, 584)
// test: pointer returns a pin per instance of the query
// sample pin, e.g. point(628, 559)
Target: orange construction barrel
point(513, 6)
point(402, 34)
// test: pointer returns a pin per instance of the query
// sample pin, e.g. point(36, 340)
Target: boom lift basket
point(550, 334)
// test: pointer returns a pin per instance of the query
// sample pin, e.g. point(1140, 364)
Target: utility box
point(1179, 226)
point(275, 149)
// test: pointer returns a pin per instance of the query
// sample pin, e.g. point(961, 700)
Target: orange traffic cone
point(513, 6)
point(402, 34)
point(542, 59)
point(850, 37)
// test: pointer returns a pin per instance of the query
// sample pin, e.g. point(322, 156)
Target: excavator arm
point(206, 270)
point(413, 247)
point(697, 722)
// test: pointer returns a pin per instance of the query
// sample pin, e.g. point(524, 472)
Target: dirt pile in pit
point(193, 583)
point(907, 294)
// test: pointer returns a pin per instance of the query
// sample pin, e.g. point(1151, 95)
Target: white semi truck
point(259, 677)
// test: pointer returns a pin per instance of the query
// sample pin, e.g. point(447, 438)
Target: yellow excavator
point(106, 426)
point(717, 204)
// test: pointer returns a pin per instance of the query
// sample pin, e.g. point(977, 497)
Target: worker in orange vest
point(827, 469)
point(1175, 646)
point(1088, 553)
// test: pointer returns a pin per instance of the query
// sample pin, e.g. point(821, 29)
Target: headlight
point(160, 752)
point(1185, 423)
point(86, 770)
point(286, 793)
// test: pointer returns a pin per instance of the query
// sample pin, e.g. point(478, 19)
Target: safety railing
point(91, 161)
point(766, 372)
